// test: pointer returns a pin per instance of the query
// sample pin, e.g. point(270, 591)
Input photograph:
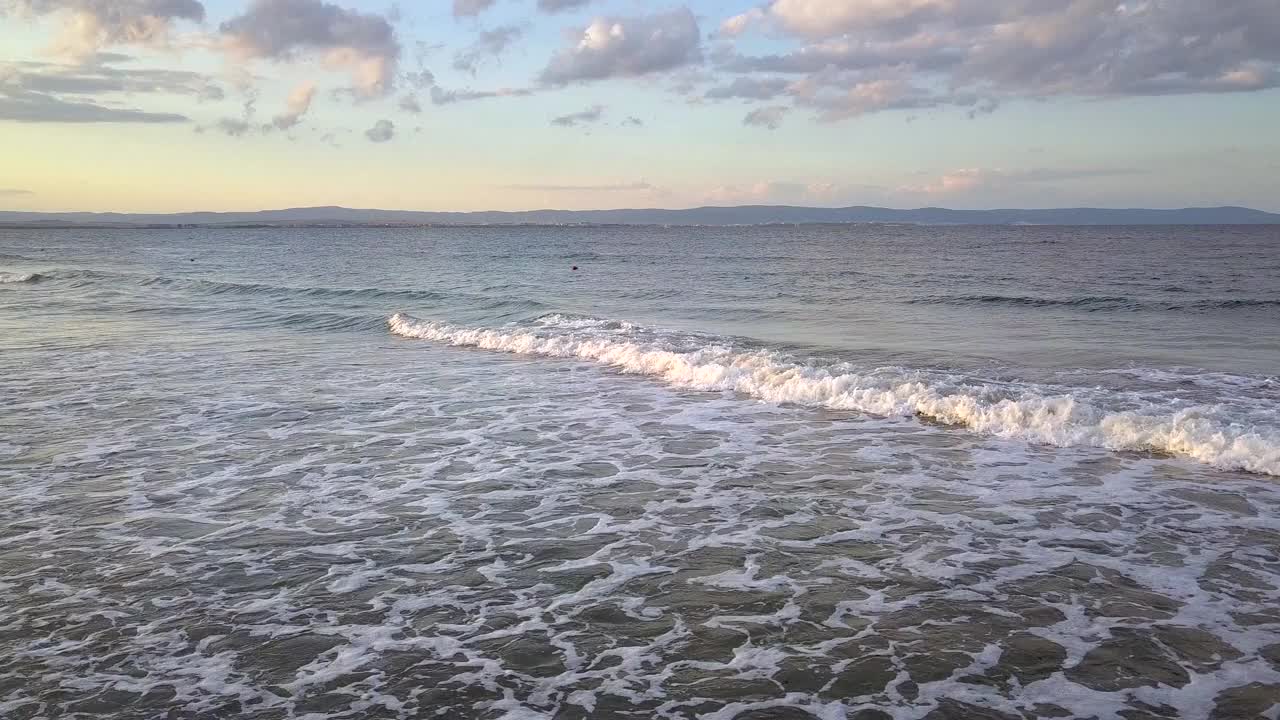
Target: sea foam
point(1208, 434)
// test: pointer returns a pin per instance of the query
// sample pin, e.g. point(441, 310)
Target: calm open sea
point(857, 472)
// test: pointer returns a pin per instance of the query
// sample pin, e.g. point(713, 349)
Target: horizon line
point(753, 206)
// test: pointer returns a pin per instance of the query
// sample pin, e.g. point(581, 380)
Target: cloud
point(296, 105)
point(766, 117)
point(554, 6)
point(243, 125)
point(234, 127)
point(364, 45)
point(627, 47)
point(489, 43)
point(410, 104)
point(440, 96)
point(633, 121)
point(838, 96)
point(382, 131)
point(749, 88)
point(88, 25)
point(95, 78)
point(628, 187)
point(465, 8)
point(772, 192)
point(583, 117)
point(14, 192)
point(739, 24)
point(862, 56)
point(35, 107)
point(967, 180)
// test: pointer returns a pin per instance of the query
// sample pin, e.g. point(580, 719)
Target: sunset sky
point(171, 105)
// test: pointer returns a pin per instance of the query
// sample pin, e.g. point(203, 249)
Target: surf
point(1206, 434)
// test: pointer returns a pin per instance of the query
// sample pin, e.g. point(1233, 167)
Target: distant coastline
point(753, 215)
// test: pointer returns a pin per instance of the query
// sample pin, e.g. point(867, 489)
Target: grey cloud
point(749, 88)
point(34, 107)
point(410, 104)
point(489, 43)
point(583, 117)
point(440, 96)
point(234, 127)
point(381, 132)
point(14, 192)
point(421, 79)
point(625, 47)
point(925, 53)
point(973, 54)
point(838, 96)
point(632, 121)
point(766, 117)
point(553, 6)
point(365, 44)
point(97, 79)
point(463, 8)
point(243, 125)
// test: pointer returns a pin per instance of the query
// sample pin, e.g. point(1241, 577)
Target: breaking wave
point(7, 278)
point(1208, 434)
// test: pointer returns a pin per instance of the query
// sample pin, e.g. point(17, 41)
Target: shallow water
point(855, 472)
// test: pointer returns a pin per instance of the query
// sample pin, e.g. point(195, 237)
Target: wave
point(1028, 412)
point(1095, 303)
point(7, 278)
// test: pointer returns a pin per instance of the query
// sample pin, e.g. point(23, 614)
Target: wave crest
point(1027, 412)
point(6, 277)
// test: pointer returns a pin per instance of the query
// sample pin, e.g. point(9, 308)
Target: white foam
point(1205, 434)
point(7, 277)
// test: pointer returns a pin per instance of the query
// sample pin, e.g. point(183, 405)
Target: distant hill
point(742, 215)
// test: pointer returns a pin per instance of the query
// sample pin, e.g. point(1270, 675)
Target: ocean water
point(857, 472)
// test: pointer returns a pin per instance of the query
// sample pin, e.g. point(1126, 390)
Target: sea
point(859, 472)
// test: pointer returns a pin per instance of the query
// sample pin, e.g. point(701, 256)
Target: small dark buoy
point(575, 267)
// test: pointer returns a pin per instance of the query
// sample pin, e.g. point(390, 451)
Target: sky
point(179, 105)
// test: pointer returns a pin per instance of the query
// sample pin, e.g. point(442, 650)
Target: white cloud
point(89, 25)
point(296, 105)
point(771, 192)
point(970, 180)
point(739, 24)
point(640, 186)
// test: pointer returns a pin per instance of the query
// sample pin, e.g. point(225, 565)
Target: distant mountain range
point(722, 216)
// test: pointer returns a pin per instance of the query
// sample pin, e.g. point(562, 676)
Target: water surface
point(835, 472)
